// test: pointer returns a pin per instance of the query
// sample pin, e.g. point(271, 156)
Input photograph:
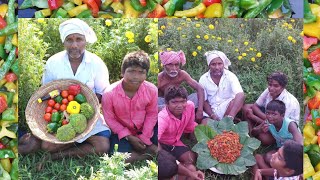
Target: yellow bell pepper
point(308, 131)
point(314, 140)
point(3, 10)
point(317, 168)
point(2, 39)
point(46, 12)
point(108, 2)
point(14, 40)
point(4, 95)
point(312, 29)
point(316, 176)
point(129, 12)
point(77, 10)
point(305, 54)
point(107, 16)
point(77, 2)
point(2, 82)
point(11, 86)
point(191, 12)
point(315, 9)
point(6, 164)
point(213, 11)
point(307, 167)
point(73, 107)
point(117, 7)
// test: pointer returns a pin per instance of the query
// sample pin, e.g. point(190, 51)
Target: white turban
point(210, 55)
point(73, 26)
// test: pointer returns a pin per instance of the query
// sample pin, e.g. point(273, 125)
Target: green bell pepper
point(68, 6)
point(151, 5)
point(61, 13)
point(52, 127)
point(314, 157)
point(85, 14)
point(7, 153)
point(58, 99)
point(275, 4)
point(3, 53)
point(15, 66)
point(173, 5)
point(9, 114)
point(252, 13)
point(55, 117)
point(137, 6)
point(10, 96)
point(248, 4)
point(308, 16)
point(38, 14)
point(231, 8)
point(80, 98)
point(315, 115)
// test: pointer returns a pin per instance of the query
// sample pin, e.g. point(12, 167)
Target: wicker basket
point(35, 111)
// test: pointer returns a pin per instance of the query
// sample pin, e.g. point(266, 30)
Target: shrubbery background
point(39, 39)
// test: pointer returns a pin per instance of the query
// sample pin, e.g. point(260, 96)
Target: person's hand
point(214, 117)
point(196, 175)
point(136, 143)
point(257, 175)
point(265, 127)
point(199, 116)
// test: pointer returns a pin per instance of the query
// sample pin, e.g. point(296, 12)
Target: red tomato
point(47, 117)
point(49, 109)
point(64, 122)
point(51, 103)
point(10, 77)
point(65, 101)
point(70, 98)
point(3, 23)
point(63, 107)
point(54, 110)
point(57, 106)
point(64, 93)
point(209, 2)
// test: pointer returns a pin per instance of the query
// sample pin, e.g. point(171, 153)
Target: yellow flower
point(236, 50)
point(160, 32)
point(251, 49)
point(216, 22)
point(197, 25)
point(239, 57)
point(183, 35)
point(163, 27)
point(253, 59)
point(108, 22)
point(302, 33)
point(156, 56)
point(194, 53)
point(195, 18)
point(40, 20)
point(241, 25)
point(292, 20)
point(244, 54)
point(199, 48)
point(188, 19)
point(179, 28)
point(229, 40)
point(293, 41)
point(285, 24)
point(129, 35)
point(40, 33)
point(130, 40)
point(259, 54)
point(211, 26)
point(246, 43)
point(219, 38)
point(197, 36)
point(206, 37)
point(147, 38)
point(213, 37)
point(290, 38)
point(155, 20)
point(169, 49)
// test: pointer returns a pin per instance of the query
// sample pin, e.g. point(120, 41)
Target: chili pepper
point(55, 117)
point(129, 11)
point(77, 10)
point(248, 4)
point(58, 99)
point(213, 11)
point(14, 173)
point(80, 98)
point(275, 5)
point(74, 89)
point(8, 44)
point(3, 104)
point(3, 53)
point(85, 14)
point(73, 107)
point(15, 66)
point(314, 58)
point(9, 115)
point(9, 29)
point(230, 8)
point(137, 6)
point(309, 41)
point(55, 4)
point(158, 12)
point(52, 127)
point(173, 5)
point(252, 13)
point(191, 12)
point(11, 12)
point(93, 7)
point(151, 5)
point(308, 16)
point(6, 66)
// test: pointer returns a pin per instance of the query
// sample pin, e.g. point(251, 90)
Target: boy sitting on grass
point(175, 118)
point(285, 164)
point(130, 109)
point(277, 128)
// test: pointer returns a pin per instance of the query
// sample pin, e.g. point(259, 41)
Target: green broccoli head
point(87, 110)
point(66, 133)
point(78, 122)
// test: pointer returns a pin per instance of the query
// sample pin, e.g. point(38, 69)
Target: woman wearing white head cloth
point(224, 96)
point(77, 63)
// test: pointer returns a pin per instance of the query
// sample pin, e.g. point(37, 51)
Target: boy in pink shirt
point(177, 118)
point(130, 109)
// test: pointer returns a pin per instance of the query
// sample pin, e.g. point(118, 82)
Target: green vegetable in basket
point(80, 98)
point(58, 99)
point(78, 122)
point(87, 110)
point(9, 114)
point(52, 127)
point(55, 117)
point(66, 133)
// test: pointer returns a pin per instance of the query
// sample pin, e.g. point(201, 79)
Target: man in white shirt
point(277, 82)
point(224, 96)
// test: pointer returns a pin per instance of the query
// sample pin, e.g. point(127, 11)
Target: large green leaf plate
point(204, 133)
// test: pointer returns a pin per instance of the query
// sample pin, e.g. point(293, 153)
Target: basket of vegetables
point(225, 147)
point(62, 111)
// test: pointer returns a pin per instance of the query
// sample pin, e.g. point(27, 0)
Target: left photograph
point(91, 95)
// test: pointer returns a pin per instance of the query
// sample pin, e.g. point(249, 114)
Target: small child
point(130, 109)
point(285, 164)
point(174, 120)
point(277, 128)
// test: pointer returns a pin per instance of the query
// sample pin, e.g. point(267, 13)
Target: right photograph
point(230, 101)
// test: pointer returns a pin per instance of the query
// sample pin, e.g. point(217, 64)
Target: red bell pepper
point(3, 104)
point(314, 58)
point(209, 2)
point(143, 2)
point(158, 12)
point(93, 6)
point(201, 15)
point(55, 4)
point(98, 3)
point(3, 23)
point(10, 77)
point(309, 41)
point(314, 102)
point(74, 89)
